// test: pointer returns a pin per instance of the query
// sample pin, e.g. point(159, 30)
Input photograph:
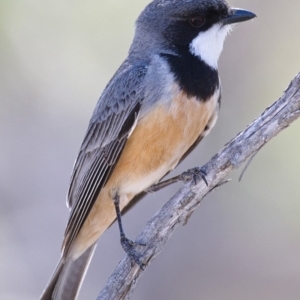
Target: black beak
point(237, 15)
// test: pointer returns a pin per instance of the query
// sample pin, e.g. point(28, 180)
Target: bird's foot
point(129, 247)
point(194, 175)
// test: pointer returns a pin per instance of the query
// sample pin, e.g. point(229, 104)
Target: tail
point(67, 277)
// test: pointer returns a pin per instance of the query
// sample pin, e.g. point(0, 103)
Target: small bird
point(161, 102)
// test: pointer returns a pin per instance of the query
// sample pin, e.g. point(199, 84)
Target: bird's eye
point(197, 22)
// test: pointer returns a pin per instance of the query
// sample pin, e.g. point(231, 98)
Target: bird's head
point(199, 26)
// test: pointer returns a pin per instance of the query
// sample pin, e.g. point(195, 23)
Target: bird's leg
point(193, 174)
point(127, 244)
point(160, 185)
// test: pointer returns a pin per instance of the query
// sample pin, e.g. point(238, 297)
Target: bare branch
point(179, 208)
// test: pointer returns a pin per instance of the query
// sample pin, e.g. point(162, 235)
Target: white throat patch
point(208, 45)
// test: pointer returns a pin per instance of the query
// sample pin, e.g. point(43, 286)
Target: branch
point(180, 207)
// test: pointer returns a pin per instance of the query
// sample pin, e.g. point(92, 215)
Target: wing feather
point(113, 119)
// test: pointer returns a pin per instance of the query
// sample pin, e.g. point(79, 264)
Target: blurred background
point(56, 57)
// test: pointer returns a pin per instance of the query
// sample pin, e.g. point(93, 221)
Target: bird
point(161, 102)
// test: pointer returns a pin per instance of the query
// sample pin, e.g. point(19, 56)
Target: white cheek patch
point(208, 45)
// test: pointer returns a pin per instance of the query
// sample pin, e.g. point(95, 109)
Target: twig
point(248, 164)
point(178, 209)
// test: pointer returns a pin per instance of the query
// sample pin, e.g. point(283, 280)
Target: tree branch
point(180, 207)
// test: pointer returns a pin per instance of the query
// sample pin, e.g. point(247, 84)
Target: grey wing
point(112, 120)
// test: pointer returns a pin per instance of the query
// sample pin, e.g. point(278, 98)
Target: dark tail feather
point(67, 277)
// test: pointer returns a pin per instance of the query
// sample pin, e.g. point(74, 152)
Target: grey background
point(55, 59)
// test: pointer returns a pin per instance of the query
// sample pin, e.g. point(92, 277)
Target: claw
point(194, 174)
point(203, 175)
